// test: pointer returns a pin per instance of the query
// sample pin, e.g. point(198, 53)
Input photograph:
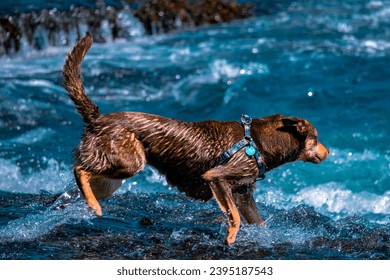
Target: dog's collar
point(251, 149)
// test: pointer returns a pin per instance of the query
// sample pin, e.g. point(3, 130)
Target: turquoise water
point(327, 61)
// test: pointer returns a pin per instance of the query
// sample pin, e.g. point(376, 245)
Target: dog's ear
point(299, 125)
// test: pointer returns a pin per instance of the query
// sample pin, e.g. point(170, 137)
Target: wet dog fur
point(117, 146)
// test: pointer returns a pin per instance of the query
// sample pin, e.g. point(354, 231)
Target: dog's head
point(286, 139)
point(311, 150)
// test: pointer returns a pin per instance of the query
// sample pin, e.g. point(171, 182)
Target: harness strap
point(229, 153)
point(251, 149)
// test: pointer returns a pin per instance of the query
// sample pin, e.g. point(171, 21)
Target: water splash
point(35, 226)
point(51, 179)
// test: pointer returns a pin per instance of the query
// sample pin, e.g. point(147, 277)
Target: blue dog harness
point(250, 148)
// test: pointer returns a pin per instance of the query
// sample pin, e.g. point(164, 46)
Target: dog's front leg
point(247, 206)
point(224, 197)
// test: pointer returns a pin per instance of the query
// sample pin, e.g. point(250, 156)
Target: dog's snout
point(323, 152)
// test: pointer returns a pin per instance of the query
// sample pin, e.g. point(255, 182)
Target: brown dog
point(116, 146)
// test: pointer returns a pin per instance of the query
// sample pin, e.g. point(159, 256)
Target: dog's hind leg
point(122, 157)
point(83, 178)
point(224, 197)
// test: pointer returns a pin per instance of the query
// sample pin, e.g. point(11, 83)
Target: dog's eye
point(311, 141)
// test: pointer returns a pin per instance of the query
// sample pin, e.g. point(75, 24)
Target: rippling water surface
point(327, 61)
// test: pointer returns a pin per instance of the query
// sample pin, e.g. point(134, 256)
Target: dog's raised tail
point(73, 82)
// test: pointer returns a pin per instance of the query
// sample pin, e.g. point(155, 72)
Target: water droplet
point(310, 93)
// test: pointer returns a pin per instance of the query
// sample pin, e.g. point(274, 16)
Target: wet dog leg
point(224, 197)
point(126, 158)
point(247, 206)
point(83, 178)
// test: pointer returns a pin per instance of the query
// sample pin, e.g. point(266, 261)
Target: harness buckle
point(227, 155)
point(245, 119)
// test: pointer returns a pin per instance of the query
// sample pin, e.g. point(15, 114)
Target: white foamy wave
point(375, 46)
point(355, 170)
point(330, 198)
point(54, 178)
point(358, 47)
point(186, 90)
point(35, 64)
point(333, 198)
point(221, 69)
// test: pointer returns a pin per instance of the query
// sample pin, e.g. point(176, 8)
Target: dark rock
point(145, 221)
point(161, 16)
point(53, 27)
point(58, 28)
point(10, 35)
point(216, 11)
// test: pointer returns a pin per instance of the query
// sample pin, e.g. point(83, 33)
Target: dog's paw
point(262, 225)
point(96, 208)
point(230, 239)
point(98, 212)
